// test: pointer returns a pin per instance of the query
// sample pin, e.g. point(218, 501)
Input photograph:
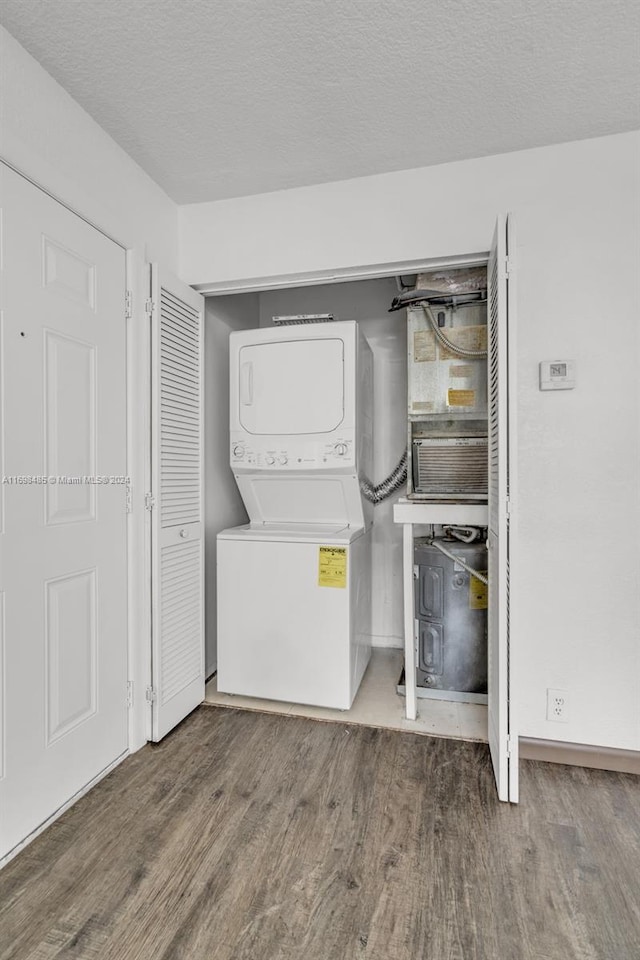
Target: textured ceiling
point(221, 98)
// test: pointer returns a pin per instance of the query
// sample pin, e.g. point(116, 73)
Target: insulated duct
point(455, 286)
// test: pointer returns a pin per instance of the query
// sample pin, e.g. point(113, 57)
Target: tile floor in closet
point(377, 704)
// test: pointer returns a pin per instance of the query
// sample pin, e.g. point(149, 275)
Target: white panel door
point(503, 739)
point(177, 528)
point(63, 572)
point(292, 387)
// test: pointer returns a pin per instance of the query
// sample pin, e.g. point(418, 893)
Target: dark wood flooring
point(247, 836)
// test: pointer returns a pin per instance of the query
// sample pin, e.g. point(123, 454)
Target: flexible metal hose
point(382, 491)
point(453, 347)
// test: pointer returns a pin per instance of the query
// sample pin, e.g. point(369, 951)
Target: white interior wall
point(368, 303)
point(48, 137)
point(576, 609)
point(223, 504)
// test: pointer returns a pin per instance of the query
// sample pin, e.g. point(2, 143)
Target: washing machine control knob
point(238, 451)
point(283, 459)
point(270, 461)
point(340, 449)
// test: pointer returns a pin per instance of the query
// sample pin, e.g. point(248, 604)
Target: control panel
point(557, 375)
point(252, 453)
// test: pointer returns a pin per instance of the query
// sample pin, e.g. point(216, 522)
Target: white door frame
point(371, 272)
point(139, 519)
point(312, 278)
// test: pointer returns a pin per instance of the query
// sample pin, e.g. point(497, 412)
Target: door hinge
point(148, 306)
point(507, 505)
point(512, 746)
point(416, 572)
point(149, 501)
point(128, 305)
point(150, 695)
point(416, 634)
point(129, 497)
point(509, 266)
point(129, 693)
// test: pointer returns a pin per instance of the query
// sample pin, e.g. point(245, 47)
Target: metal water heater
point(451, 617)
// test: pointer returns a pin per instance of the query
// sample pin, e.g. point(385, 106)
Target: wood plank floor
point(247, 836)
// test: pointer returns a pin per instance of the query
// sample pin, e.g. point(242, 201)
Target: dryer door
point(292, 387)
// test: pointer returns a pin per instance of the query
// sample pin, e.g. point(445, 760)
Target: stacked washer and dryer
point(294, 584)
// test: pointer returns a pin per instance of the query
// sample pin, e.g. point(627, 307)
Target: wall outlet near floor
point(557, 705)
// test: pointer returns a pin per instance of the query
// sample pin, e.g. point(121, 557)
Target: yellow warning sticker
point(478, 599)
point(332, 567)
point(461, 398)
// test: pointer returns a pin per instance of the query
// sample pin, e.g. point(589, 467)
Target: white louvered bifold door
point(503, 740)
point(177, 319)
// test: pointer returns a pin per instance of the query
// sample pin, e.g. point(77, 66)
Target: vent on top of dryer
point(285, 320)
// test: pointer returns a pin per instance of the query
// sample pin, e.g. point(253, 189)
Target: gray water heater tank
point(451, 615)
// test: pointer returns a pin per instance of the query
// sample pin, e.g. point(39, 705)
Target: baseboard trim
point(580, 755)
point(392, 643)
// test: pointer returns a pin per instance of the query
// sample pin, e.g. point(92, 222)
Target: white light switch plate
point(557, 374)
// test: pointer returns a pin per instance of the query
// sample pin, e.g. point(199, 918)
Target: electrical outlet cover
point(557, 705)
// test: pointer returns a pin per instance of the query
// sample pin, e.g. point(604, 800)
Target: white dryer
point(294, 586)
point(301, 402)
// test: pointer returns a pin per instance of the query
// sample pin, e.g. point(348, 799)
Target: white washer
point(294, 610)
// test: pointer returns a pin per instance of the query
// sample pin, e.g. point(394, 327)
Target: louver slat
point(181, 630)
point(494, 427)
point(180, 426)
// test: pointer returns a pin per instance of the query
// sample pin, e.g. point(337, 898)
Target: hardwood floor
point(247, 836)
